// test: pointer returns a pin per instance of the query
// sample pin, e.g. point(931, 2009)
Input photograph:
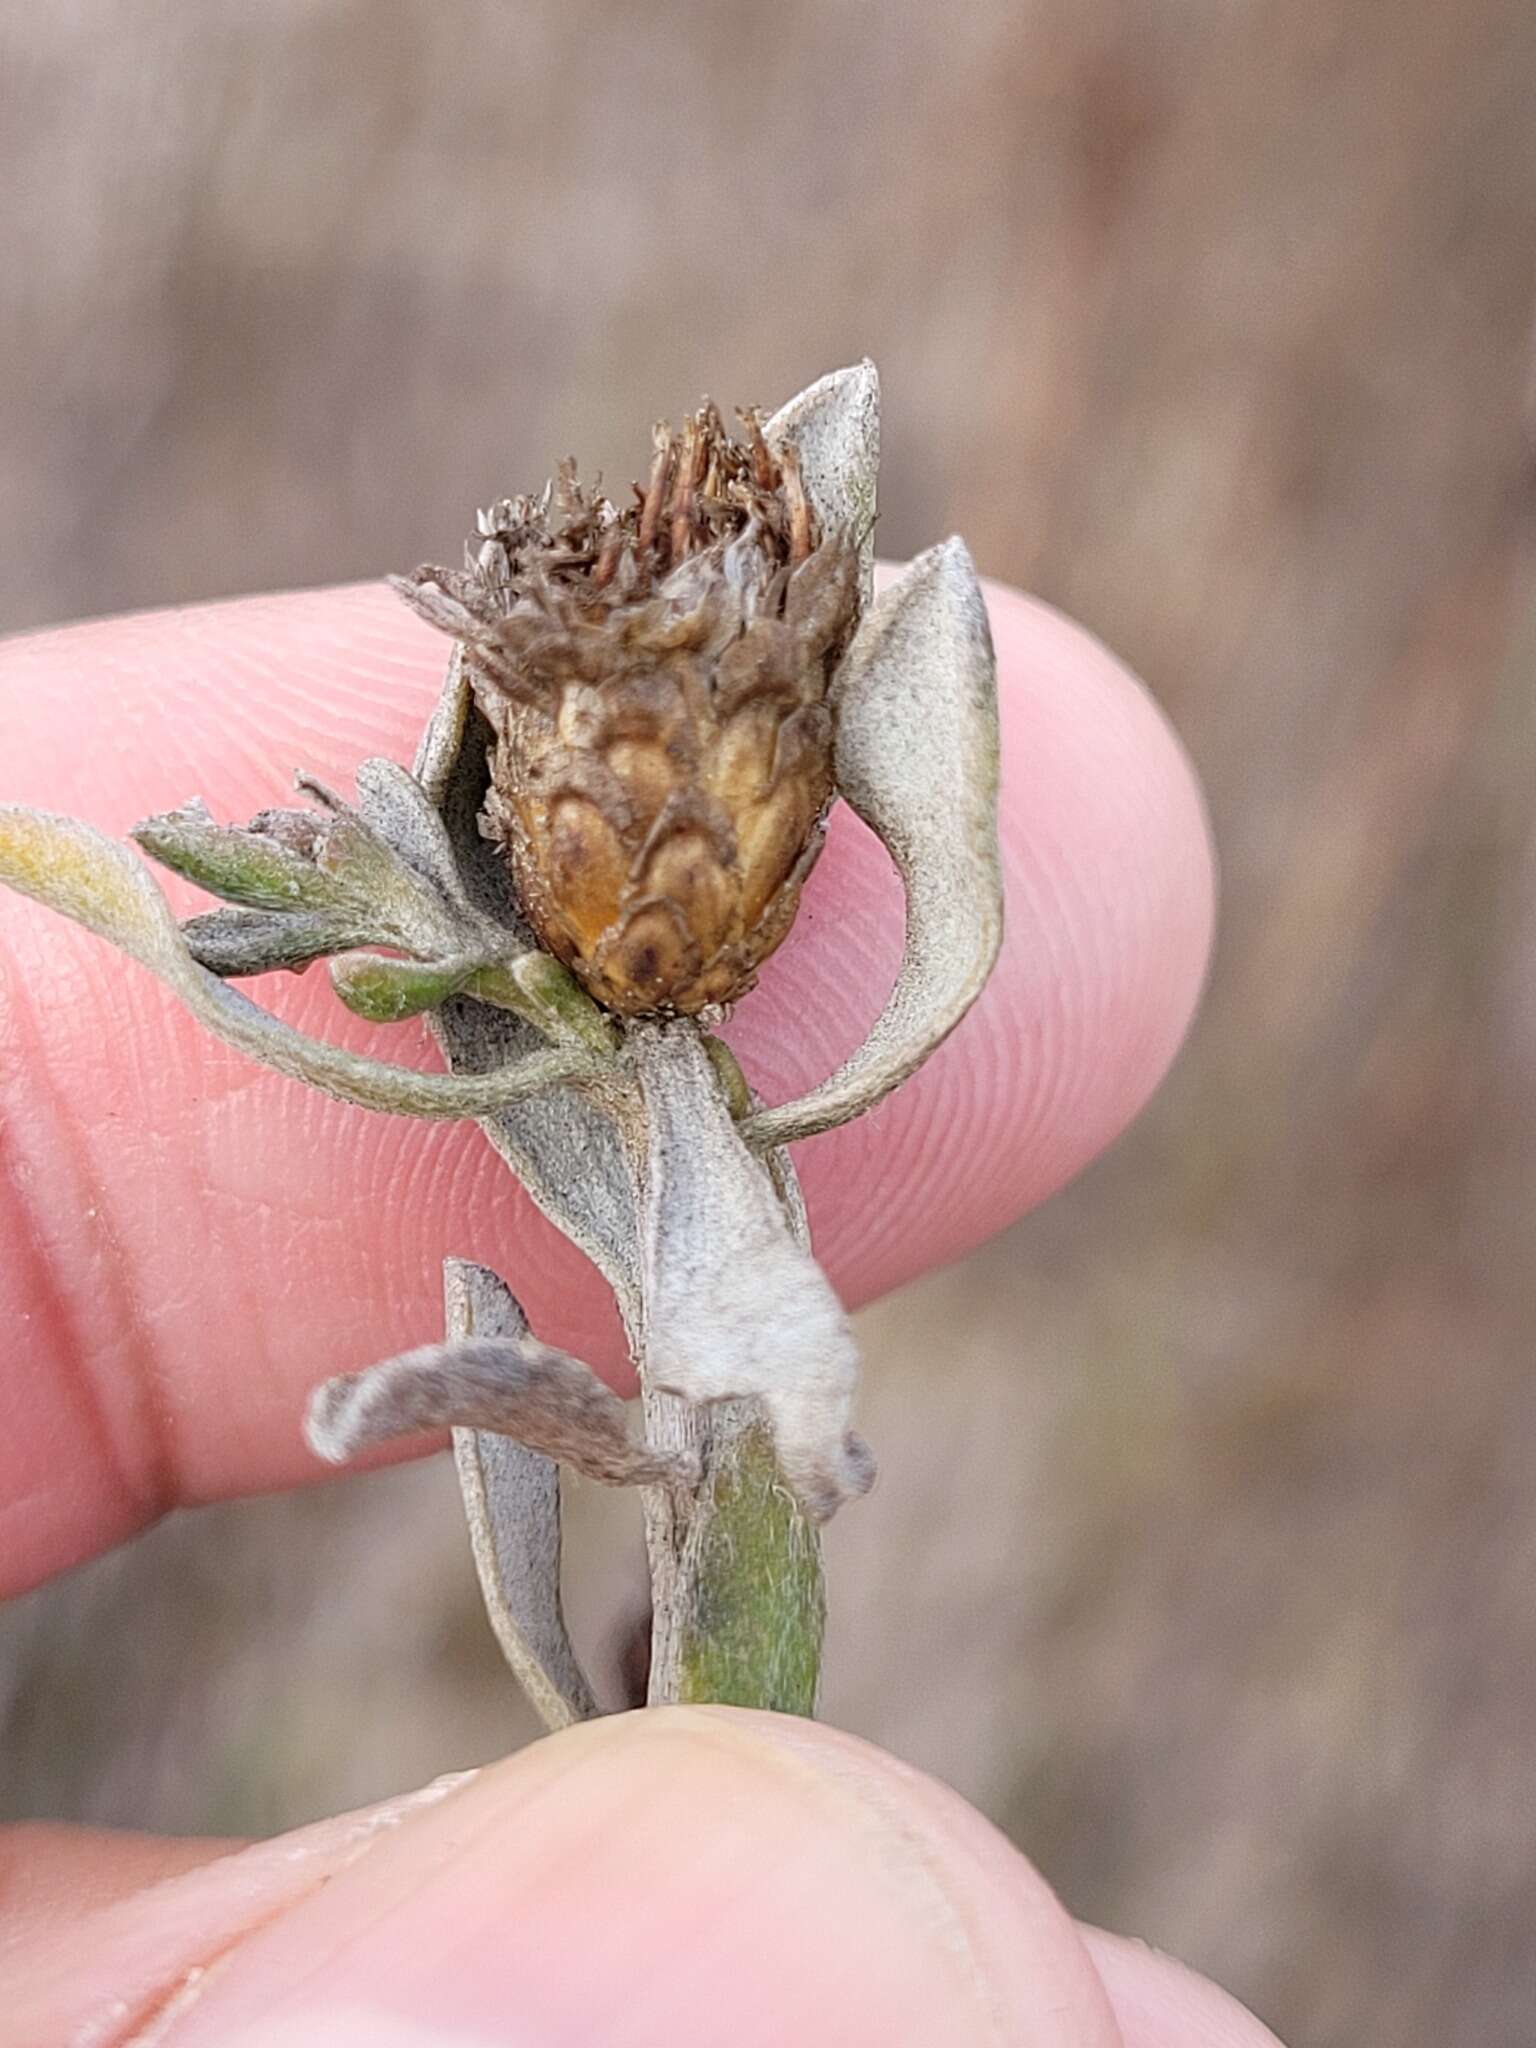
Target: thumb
point(678, 1876)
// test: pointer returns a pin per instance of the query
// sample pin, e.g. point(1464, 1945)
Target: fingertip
point(681, 1875)
point(1158, 2003)
point(678, 1875)
point(119, 717)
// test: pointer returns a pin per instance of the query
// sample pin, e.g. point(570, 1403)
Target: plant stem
point(737, 1580)
point(738, 1592)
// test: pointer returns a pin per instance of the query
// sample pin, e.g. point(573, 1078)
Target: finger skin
point(53, 1874)
point(678, 1876)
point(94, 1957)
point(1157, 2001)
point(188, 1243)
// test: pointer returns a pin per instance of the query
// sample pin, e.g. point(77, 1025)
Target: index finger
point(187, 1243)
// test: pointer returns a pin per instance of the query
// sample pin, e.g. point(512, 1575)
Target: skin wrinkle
point(829, 1749)
point(156, 2027)
point(260, 1303)
point(109, 1973)
point(905, 1856)
point(389, 1905)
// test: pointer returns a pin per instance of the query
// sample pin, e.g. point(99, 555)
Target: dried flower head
point(657, 682)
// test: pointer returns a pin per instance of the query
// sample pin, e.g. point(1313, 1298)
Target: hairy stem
point(737, 1589)
point(740, 1607)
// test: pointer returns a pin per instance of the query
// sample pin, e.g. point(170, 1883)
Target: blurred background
point(1209, 320)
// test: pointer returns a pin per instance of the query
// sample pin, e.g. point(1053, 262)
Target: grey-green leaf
point(78, 871)
point(331, 873)
point(387, 991)
point(235, 942)
point(514, 1386)
point(917, 758)
point(508, 969)
point(541, 989)
point(240, 864)
point(394, 805)
point(512, 1502)
point(72, 868)
point(401, 904)
point(735, 1306)
point(442, 744)
point(835, 425)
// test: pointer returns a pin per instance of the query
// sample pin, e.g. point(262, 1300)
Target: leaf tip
point(825, 1472)
point(330, 1418)
point(428, 599)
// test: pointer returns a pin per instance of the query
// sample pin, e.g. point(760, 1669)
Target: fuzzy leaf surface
point(514, 1386)
point(386, 991)
point(243, 864)
point(917, 758)
point(835, 425)
point(736, 1307)
point(74, 869)
point(512, 1502)
point(234, 942)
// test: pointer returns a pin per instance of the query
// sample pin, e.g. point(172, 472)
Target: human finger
point(679, 1875)
point(187, 1242)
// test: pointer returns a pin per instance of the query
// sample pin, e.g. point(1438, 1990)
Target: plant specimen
point(648, 713)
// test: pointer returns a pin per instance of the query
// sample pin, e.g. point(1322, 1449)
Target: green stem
point(740, 1600)
point(760, 1603)
point(739, 1592)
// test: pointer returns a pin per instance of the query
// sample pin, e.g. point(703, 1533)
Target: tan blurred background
point(1210, 320)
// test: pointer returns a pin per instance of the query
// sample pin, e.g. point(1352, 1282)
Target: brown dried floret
point(657, 679)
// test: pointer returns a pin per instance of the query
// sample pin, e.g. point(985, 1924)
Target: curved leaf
point(511, 1385)
point(392, 803)
point(917, 754)
point(512, 1500)
point(79, 871)
point(735, 1306)
point(512, 1503)
point(835, 426)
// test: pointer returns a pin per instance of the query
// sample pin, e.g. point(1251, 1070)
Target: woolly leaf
point(513, 1386)
point(234, 942)
point(736, 1307)
point(917, 749)
point(387, 991)
point(77, 870)
point(512, 1502)
point(242, 863)
point(834, 425)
